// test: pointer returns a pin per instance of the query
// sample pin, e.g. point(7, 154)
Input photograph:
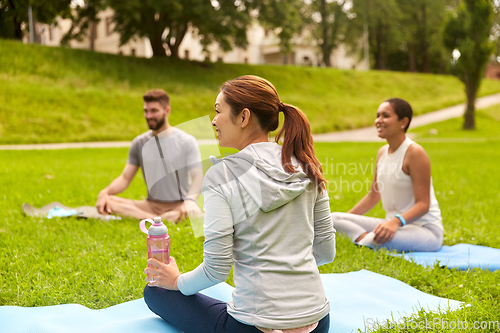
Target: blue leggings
point(201, 314)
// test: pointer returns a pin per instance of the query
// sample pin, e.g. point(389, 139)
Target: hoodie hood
point(258, 169)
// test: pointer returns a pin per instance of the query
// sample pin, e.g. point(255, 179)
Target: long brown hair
point(261, 98)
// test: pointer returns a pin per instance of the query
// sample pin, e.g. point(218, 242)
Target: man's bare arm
point(118, 185)
point(196, 175)
point(190, 207)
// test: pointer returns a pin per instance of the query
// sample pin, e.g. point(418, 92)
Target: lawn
point(64, 95)
point(99, 264)
point(451, 130)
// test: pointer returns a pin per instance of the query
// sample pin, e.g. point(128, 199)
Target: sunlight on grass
point(65, 95)
point(451, 130)
point(99, 264)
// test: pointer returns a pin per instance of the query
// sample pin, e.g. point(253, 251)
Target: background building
point(263, 46)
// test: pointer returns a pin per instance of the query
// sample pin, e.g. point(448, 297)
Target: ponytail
point(298, 141)
point(261, 98)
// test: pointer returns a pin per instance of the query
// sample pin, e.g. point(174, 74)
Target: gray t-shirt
point(165, 162)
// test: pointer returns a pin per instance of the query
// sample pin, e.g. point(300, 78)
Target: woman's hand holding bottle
point(162, 275)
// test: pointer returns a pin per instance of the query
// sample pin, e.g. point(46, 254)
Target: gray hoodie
point(276, 227)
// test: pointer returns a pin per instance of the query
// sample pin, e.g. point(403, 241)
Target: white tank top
point(396, 187)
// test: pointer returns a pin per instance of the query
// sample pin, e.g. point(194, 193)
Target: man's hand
point(190, 209)
point(118, 185)
point(103, 203)
point(173, 216)
point(386, 230)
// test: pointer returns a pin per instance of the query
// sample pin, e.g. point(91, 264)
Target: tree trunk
point(178, 33)
point(378, 52)
point(412, 62)
point(325, 49)
point(18, 31)
point(441, 63)
point(179, 36)
point(17, 21)
point(373, 45)
point(471, 87)
point(383, 50)
point(426, 65)
point(157, 46)
point(326, 57)
point(92, 37)
point(174, 50)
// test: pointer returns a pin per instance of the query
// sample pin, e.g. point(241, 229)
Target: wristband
point(403, 222)
point(189, 199)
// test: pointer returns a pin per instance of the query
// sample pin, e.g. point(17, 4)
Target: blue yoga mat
point(460, 256)
point(357, 300)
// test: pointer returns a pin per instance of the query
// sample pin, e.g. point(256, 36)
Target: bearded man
point(173, 194)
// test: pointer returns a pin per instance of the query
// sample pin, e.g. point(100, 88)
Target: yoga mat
point(460, 256)
point(357, 299)
point(81, 211)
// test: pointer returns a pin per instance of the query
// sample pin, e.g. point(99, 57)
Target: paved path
point(368, 134)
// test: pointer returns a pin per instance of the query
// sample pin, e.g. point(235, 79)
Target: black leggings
point(201, 314)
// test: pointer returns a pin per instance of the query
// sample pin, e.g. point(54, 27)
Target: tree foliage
point(84, 18)
point(495, 31)
point(468, 31)
point(14, 14)
point(403, 35)
point(329, 24)
point(286, 18)
point(421, 25)
point(166, 22)
point(384, 37)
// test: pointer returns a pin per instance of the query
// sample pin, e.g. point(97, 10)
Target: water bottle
point(158, 239)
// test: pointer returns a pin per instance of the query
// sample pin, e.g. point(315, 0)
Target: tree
point(286, 18)
point(402, 35)
point(384, 35)
point(329, 25)
point(468, 31)
point(496, 26)
point(14, 14)
point(84, 21)
point(166, 22)
point(421, 25)
point(223, 21)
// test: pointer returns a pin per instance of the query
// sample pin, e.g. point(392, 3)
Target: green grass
point(451, 130)
point(99, 264)
point(63, 95)
point(55, 261)
point(60, 95)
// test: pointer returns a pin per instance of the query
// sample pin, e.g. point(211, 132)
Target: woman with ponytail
point(266, 210)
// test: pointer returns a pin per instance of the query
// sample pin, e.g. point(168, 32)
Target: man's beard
point(157, 125)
